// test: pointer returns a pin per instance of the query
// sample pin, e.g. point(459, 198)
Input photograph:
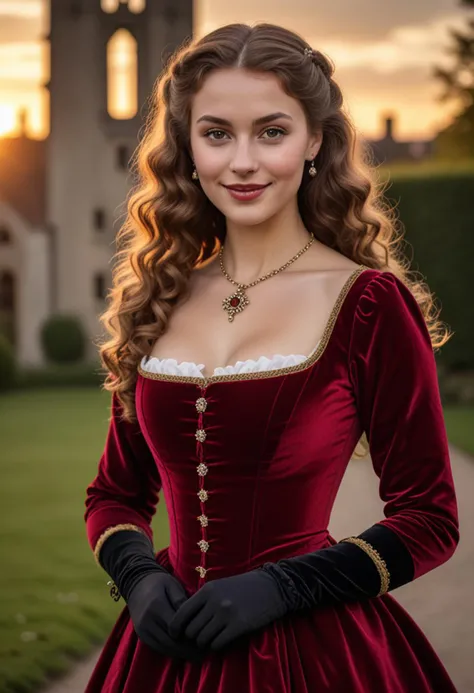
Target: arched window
point(111, 6)
point(122, 75)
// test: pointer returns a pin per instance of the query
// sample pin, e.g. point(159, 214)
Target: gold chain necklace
point(236, 302)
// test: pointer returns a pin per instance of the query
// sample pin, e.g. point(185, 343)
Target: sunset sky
point(383, 51)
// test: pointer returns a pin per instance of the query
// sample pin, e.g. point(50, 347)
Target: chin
point(250, 217)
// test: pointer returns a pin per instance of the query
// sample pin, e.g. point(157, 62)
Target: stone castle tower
point(105, 57)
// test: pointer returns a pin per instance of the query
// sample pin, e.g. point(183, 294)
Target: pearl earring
point(195, 175)
point(312, 169)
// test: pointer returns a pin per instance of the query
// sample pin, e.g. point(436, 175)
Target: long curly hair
point(171, 226)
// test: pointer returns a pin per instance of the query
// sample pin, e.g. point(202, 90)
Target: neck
point(252, 251)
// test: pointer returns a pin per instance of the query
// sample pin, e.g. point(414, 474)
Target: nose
point(243, 161)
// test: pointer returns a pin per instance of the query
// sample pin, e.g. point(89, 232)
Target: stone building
point(58, 219)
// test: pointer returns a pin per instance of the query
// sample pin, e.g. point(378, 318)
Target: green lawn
point(460, 426)
point(54, 602)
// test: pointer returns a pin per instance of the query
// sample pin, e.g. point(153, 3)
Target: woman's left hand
point(225, 608)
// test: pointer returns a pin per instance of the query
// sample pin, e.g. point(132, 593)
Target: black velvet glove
point(345, 572)
point(227, 608)
point(152, 594)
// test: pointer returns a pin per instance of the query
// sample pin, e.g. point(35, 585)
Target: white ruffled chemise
point(152, 364)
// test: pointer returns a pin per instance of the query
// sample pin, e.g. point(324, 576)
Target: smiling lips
point(246, 192)
point(246, 188)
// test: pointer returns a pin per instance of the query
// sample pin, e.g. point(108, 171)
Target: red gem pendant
point(235, 303)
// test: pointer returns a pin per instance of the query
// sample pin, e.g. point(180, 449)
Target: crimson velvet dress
point(275, 445)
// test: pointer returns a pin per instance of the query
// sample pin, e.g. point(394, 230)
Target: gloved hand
point(152, 604)
point(225, 608)
point(152, 594)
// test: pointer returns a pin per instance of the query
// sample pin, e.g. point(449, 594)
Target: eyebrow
point(258, 121)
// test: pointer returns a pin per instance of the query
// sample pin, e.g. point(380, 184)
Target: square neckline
point(314, 356)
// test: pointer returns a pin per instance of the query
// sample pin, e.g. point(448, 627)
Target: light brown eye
point(213, 132)
point(279, 131)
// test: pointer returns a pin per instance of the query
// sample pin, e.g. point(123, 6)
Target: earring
point(195, 175)
point(312, 169)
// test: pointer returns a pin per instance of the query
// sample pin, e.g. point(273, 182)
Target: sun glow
point(7, 119)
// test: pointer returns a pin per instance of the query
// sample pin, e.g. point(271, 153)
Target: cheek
point(210, 161)
point(286, 164)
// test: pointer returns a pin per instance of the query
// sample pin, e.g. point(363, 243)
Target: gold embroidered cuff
point(108, 532)
point(377, 559)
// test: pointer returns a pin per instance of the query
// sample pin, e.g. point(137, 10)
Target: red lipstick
point(248, 191)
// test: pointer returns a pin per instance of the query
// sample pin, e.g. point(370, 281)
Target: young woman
point(261, 324)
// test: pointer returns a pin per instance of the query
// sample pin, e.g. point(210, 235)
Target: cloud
point(339, 19)
point(416, 46)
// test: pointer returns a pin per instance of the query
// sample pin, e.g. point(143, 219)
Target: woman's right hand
point(152, 604)
point(151, 592)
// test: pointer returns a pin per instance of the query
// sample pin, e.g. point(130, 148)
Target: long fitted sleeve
point(394, 378)
point(124, 493)
point(394, 374)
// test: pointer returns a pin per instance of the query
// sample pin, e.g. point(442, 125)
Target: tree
point(458, 138)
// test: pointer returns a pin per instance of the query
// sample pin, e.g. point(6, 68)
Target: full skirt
point(362, 647)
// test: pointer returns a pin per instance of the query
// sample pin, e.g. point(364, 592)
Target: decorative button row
point(202, 469)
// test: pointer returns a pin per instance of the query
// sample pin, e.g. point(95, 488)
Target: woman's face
point(242, 151)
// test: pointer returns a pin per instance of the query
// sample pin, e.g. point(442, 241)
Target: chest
point(285, 315)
